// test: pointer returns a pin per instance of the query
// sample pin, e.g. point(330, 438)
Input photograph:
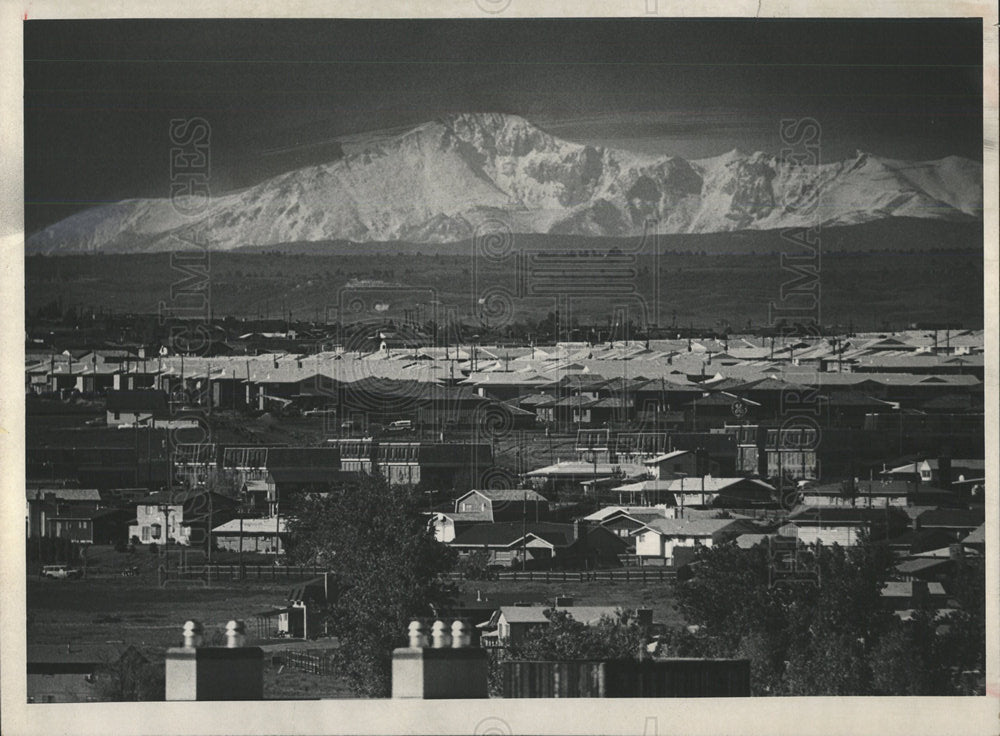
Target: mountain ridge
point(441, 180)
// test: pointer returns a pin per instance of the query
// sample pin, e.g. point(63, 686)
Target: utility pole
point(524, 532)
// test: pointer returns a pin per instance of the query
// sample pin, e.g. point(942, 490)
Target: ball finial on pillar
point(416, 634)
point(235, 634)
point(440, 637)
point(192, 634)
point(460, 635)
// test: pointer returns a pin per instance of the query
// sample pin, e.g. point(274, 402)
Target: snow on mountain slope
point(438, 181)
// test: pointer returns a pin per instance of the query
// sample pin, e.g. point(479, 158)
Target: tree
point(387, 566)
point(131, 678)
point(564, 638)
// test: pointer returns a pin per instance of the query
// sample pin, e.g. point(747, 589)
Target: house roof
point(505, 534)
point(899, 589)
point(664, 457)
point(580, 468)
point(63, 494)
point(921, 564)
point(952, 518)
point(589, 615)
point(253, 526)
point(464, 515)
point(810, 515)
point(609, 511)
point(976, 536)
point(687, 527)
point(506, 494)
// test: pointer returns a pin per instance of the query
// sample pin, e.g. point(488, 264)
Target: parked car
point(400, 425)
point(60, 572)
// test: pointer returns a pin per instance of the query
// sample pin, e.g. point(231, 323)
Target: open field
point(133, 611)
point(865, 288)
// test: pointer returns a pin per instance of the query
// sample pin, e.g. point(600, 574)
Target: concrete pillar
point(233, 672)
point(449, 668)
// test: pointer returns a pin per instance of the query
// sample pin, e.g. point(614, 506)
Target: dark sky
point(99, 95)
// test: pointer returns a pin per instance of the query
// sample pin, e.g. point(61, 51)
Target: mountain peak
point(438, 181)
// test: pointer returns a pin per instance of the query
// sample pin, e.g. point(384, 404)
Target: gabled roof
point(506, 494)
point(686, 527)
point(461, 516)
point(952, 518)
point(589, 615)
point(63, 494)
point(665, 456)
point(609, 511)
point(976, 536)
point(253, 526)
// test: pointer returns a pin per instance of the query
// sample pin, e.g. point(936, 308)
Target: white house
point(446, 524)
point(265, 536)
point(180, 517)
point(656, 541)
point(509, 624)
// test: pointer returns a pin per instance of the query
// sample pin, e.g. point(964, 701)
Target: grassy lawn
point(134, 611)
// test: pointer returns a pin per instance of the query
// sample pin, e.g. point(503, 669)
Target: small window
point(118, 416)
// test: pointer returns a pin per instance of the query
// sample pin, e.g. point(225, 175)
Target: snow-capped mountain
point(438, 181)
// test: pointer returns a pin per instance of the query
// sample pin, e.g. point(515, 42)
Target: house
point(266, 535)
point(101, 526)
point(976, 538)
point(860, 493)
point(179, 517)
point(542, 405)
point(356, 454)
point(570, 475)
point(843, 526)
point(141, 407)
point(957, 523)
point(504, 504)
point(701, 492)
point(625, 520)
point(44, 505)
point(940, 472)
point(436, 465)
point(673, 464)
point(509, 624)
point(898, 596)
point(58, 673)
point(542, 545)
point(448, 524)
point(657, 540)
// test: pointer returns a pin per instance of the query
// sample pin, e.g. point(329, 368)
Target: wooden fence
point(314, 662)
point(210, 573)
point(674, 678)
point(623, 575)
